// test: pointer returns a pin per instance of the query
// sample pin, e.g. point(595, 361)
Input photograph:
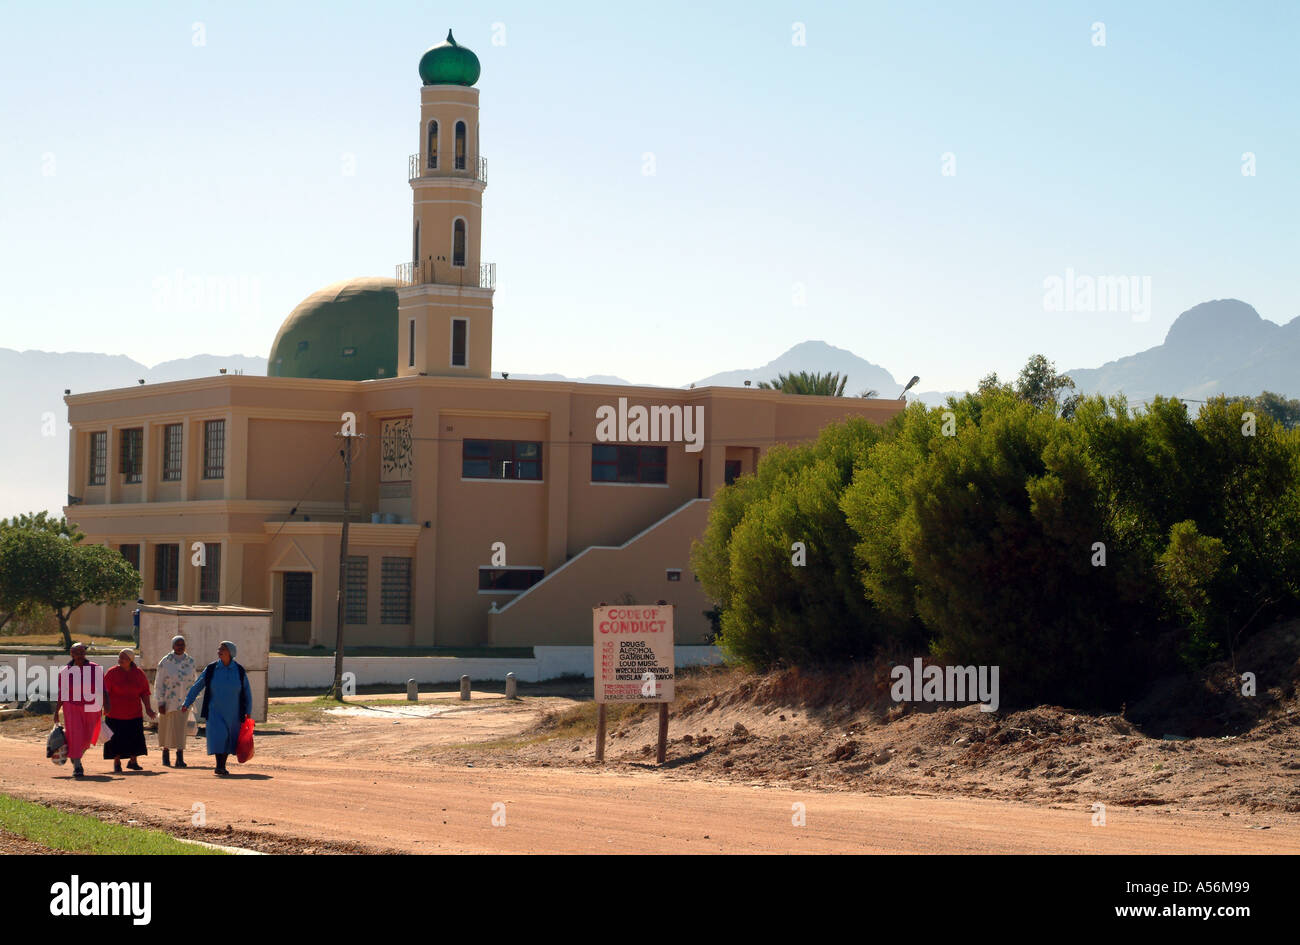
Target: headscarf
point(229, 646)
point(129, 651)
point(177, 639)
point(78, 646)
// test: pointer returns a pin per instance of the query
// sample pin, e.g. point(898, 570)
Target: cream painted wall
point(281, 453)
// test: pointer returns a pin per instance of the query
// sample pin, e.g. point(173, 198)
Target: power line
point(292, 512)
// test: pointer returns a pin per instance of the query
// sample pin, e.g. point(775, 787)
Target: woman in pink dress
point(81, 697)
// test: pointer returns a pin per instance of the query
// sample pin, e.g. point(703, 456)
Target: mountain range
point(1223, 346)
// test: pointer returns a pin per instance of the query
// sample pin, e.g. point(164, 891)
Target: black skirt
point(127, 740)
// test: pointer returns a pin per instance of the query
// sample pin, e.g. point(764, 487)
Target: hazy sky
point(264, 146)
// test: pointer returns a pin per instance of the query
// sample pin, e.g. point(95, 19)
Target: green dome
point(449, 64)
point(346, 331)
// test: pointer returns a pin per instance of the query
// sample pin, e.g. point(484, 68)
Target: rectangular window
point(210, 578)
point(410, 347)
point(214, 449)
point(459, 341)
point(297, 597)
point(508, 580)
point(166, 571)
point(133, 454)
point(132, 554)
point(501, 459)
point(395, 590)
point(617, 463)
point(173, 437)
point(98, 458)
point(357, 573)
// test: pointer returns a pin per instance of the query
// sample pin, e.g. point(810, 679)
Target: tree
point(825, 385)
point(778, 556)
point(16, 605)
point(1284, 411)
point(869, 393)
point(1040, 385)
point(45, 565)
point(1188, 568)
point(42, 522)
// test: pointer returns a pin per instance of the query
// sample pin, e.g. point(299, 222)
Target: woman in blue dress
point(228, 700)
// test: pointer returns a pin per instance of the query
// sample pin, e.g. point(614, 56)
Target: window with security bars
point(131, 553)
point(98, 458)
point(358, 571)
point(214, 449)
point(210, 576)
point(640, 464)
point(132, 466)
point(173, 439)
point(501, 459)
point(395, 591)
point(166, 571)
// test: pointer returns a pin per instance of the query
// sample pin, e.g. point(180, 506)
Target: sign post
point(633, 647)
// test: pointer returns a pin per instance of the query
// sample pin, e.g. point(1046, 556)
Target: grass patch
point(79, 833)
point(577, 721)
point(314, 710)
point(55, 641)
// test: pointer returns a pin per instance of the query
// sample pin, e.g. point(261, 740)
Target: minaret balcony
point(465, 169)
point(429, 272)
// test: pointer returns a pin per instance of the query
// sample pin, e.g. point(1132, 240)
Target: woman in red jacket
point(126, 688)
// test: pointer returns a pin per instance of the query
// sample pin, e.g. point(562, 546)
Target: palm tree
point(824, 385)
point(869, 393)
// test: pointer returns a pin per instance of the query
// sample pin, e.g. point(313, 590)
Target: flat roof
point(216, 610)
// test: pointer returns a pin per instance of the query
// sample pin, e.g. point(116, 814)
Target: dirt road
point(430, 807)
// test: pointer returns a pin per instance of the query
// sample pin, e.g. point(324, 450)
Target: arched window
point(415, 244)
point(432, 148)
point(460, 146)
point(458, 244)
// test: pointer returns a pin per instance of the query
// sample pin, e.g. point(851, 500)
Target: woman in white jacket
point(176, 673)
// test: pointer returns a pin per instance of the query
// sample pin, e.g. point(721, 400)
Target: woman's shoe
point(167, 758)
point(134, 766)
point(117, 766)
point(180, 761)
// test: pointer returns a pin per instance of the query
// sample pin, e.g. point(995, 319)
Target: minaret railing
point(430, 272)
point(473, 170)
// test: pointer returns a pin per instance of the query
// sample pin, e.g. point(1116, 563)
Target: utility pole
point(336, 692)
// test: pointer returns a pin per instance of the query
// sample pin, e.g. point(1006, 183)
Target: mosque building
point(483, 511)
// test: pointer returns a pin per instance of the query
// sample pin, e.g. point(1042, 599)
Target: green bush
point(975, 532)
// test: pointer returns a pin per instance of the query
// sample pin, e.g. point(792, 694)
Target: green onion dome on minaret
point(449, 64)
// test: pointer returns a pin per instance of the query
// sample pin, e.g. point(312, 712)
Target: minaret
point(444, 308)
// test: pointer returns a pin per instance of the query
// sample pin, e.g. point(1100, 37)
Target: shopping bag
point(191, 724)
point(56, 746)
point(244, 747)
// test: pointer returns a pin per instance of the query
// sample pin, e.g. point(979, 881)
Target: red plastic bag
point(244, 747)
